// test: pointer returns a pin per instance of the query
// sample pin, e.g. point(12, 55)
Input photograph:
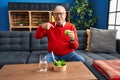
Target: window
point(114, 16)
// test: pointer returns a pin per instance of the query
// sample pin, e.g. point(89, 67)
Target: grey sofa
point(20, 47)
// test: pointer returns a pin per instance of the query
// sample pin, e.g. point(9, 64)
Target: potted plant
point(21, 22)
point(82, 14)
point(39, 22)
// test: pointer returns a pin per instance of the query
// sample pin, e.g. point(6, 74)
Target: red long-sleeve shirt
point(58, 42)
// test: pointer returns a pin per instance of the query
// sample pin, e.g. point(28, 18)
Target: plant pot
point(59, 68)
point(21, 24)
point(39, 24)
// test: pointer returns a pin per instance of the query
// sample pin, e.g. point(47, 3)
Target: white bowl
point(59, 68)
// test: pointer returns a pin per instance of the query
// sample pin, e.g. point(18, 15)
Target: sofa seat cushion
point(109, 68)
point(34, 57)
point(14, 57)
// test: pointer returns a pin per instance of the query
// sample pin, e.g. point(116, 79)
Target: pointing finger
point(52, 26)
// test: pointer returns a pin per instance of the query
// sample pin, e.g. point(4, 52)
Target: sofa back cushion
point(14, 41)
point(82, 36)
point(38, 44)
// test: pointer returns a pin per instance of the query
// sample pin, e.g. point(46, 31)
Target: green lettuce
point(59, 62)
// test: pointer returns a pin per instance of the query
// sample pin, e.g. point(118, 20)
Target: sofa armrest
point(118, 45)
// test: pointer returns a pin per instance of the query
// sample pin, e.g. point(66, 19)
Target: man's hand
point(47, 26)
point(71, 35)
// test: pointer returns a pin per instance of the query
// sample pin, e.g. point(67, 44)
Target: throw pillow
point(102, 40)
point(88, 39)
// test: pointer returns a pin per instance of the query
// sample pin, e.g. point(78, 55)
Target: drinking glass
point(43, 63)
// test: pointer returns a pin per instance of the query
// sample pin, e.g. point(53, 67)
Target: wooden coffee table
point(75, 71)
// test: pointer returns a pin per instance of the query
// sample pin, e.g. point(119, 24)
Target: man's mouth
point(58, 19)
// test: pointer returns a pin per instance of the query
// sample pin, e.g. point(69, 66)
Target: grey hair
point(59, 6)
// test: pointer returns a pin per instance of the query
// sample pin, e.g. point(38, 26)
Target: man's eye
point(59, 13)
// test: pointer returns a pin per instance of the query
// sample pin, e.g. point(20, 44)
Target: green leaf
point(82, 14)
point(78, 10)
point(59, 63)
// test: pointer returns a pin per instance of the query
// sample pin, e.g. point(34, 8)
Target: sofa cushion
point(34, 57)
point(102, 40)
point(14, 41)
point(88, 39)
point(82, 37)
point(38, 44)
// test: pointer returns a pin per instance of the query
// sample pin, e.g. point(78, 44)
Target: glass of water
point(42, 63)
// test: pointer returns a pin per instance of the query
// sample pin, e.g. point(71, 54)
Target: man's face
point(59, 15)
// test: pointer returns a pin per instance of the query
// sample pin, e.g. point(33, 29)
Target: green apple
point(66, 32)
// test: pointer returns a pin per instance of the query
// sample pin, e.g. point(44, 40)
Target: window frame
point(114, 25)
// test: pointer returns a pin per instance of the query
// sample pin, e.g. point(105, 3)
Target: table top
point(75, 71)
